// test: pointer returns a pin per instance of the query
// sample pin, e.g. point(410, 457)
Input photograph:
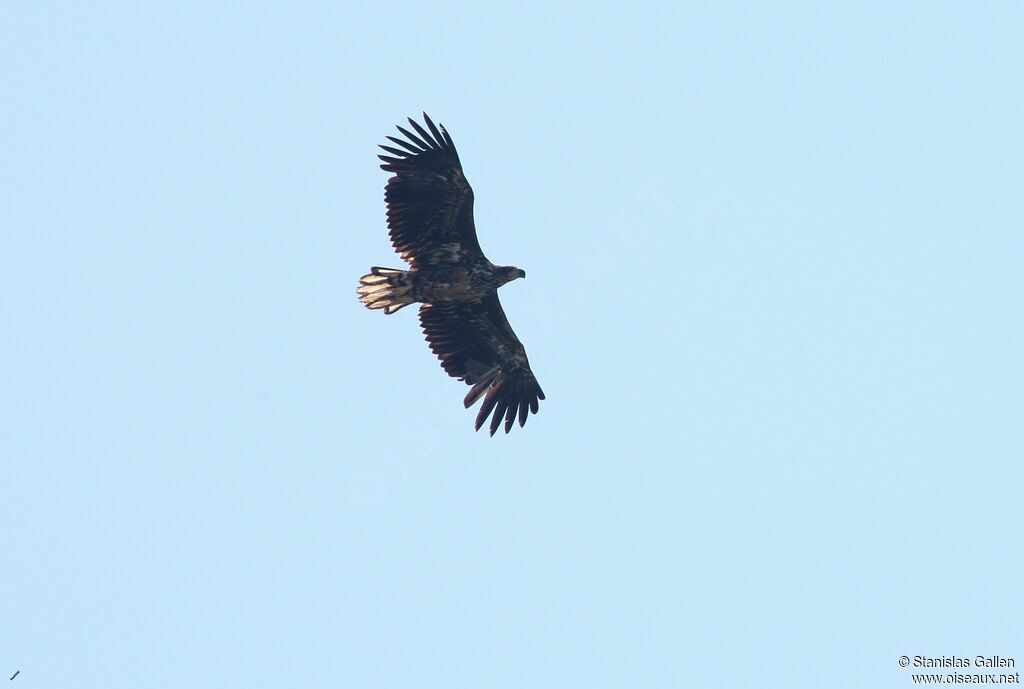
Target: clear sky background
point(774, 298)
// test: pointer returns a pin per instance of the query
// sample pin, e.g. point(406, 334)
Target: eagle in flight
point(430, 222)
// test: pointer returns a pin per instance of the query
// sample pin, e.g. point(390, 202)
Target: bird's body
point(430, 221)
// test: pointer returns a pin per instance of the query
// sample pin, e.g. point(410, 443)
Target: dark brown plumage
point(430, 222)
point(430, 203)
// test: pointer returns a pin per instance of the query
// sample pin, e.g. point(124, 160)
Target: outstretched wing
point(430, 203)
point(476, 344)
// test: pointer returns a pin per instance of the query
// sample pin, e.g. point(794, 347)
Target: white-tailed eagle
point(430, 222)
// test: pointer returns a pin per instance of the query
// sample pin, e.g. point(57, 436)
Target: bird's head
point(510, 273)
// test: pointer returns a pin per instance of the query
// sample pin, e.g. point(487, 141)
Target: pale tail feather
point(385, 288)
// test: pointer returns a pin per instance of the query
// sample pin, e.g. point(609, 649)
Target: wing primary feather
point(422, 132)
point(448, 140)
point(499, 412)
point(404, 144)
point(395, 151)
point(474, 394)
point(510, 415)
point(486, 407)
point(413, 138)
point(433, 130)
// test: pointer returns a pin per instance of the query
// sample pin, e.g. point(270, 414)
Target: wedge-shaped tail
point(385, 288)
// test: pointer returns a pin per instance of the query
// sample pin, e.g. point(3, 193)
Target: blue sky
point(774, 299)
